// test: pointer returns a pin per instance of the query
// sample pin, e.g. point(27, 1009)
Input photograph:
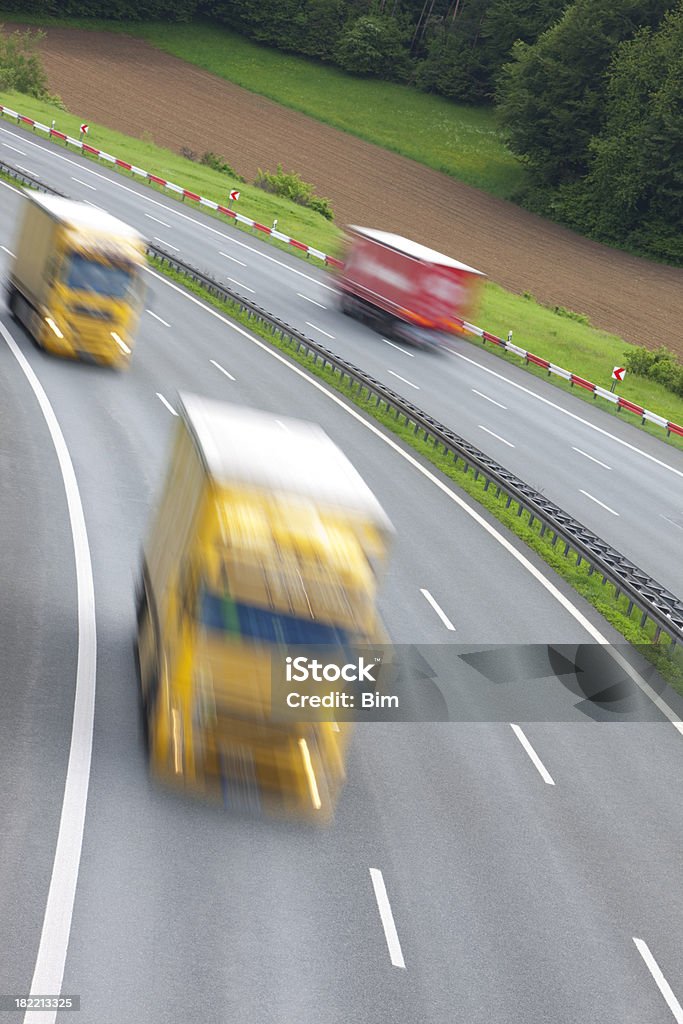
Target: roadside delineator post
point(618, 374)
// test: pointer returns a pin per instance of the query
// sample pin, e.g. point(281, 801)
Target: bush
point(217, 163)
point(21, 69)
point(188, 153)
point(658, 364)
point(580, 318)
point(639, 361)
point(291, 186)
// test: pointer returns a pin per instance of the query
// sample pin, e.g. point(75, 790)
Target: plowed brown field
point(126, 84)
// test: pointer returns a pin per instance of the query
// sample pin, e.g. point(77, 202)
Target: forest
point(588, 93)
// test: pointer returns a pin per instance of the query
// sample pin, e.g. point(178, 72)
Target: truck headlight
point(119, 341)
point(53, 326)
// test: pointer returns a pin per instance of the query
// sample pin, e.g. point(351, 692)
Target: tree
point(374, 45)
point(467, 47)
point(169, 10)
point(551, 98)
point(633, 194)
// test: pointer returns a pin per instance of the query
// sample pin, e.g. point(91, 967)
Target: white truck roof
point(413, 249)
point(247, 446)
point(81, 215)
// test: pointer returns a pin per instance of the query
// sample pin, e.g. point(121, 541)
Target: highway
point(623, 484)
point(532, 872)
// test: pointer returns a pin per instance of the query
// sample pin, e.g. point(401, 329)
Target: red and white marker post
point(84, 129)
point(232, 198)
point(618, 374)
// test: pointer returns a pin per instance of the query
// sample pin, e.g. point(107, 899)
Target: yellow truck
point(265, 537)
point(76, 280)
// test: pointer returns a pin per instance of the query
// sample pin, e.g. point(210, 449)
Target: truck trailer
point(266, 541)
point(75, 283)
point(404, 288)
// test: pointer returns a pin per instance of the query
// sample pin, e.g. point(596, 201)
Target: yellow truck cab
point(76, 280)
point(265, 536)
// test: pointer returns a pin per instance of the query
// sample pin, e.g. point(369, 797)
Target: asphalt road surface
point(623, 484)
point(490, 870)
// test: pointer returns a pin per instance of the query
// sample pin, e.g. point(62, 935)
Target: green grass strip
point(667, 660)
point(293, 220)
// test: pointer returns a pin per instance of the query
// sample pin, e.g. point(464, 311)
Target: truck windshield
point(83, 274)
point(220, 612)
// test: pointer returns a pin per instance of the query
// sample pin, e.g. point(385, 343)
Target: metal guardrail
point(654, 601)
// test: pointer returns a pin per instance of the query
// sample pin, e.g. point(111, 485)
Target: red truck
point(404, 288)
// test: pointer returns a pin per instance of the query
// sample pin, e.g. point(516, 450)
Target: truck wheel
point(12, 304)
point(346, 305)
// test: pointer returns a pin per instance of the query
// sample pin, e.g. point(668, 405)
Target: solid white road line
point(8, 251)
point(168, 406)
point(497, 436)
point(240, 285)
point(566, 412)
point(321, 330)
point(169, 209)
point(234, 260)
point(11, 187)
point(84, 183)
point(14, 148)
point(28, 170)
point(661, 982)
point(591, 457)
point(492, 400)
point(157, 220)
point(398, 348)
point(48, 973)
point(311, 300)
point(398, 375)
point(439, 611)
point(157, 239)
point(158, 318)
point(94, 205)
point(600, 503)
point(221, 368)
point(437, 482)
point(542, 770)
point(390, 933)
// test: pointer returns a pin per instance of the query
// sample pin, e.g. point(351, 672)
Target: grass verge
point(667, 660)
point(463, 142)
point(293, 220)
point(566, 340)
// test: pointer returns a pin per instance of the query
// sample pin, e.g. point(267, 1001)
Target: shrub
point(580, 318)
point(292, 187)
point(21, 69)
point(217, 163)
point(639, 361)
point(188, 153)
point(658, 364)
